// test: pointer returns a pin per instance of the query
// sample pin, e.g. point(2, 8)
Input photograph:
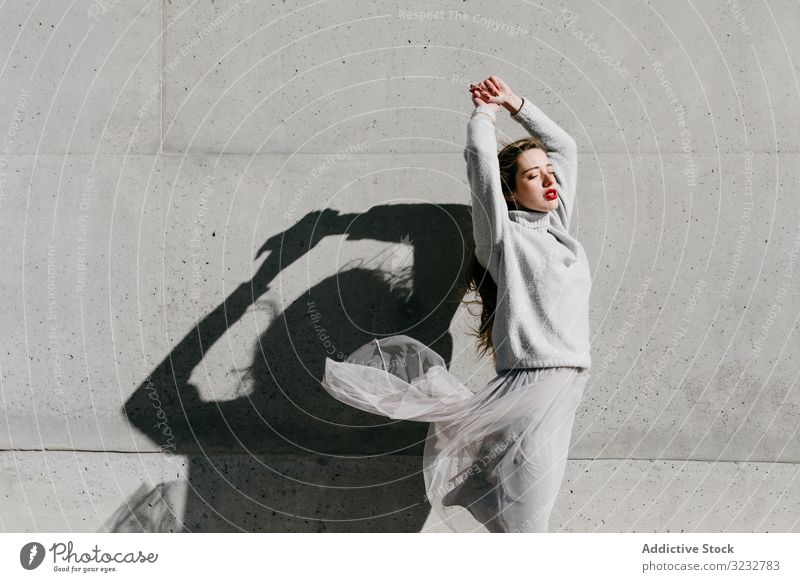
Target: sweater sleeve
point(562, 151)
point(489, 210)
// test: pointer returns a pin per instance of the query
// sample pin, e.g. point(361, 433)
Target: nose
point(547, 179)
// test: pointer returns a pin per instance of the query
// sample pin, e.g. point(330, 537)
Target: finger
point(493, 86)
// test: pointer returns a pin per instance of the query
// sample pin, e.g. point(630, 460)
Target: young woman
point(499, 452)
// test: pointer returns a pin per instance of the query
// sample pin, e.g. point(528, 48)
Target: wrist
point(513, 104)
point(488, 109)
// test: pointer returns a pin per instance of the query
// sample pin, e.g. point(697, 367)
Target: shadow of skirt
point(500, 452)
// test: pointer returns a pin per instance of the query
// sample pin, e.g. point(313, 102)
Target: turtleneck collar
point(530, 218)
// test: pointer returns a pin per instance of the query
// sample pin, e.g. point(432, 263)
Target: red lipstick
point(551, 194)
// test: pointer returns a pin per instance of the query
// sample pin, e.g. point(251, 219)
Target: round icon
point(31, 555)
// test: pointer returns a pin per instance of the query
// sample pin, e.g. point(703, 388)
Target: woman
point(499, 452)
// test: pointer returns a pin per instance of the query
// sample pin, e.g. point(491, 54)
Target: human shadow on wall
point(286, 456)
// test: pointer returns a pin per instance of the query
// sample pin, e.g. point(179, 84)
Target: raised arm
point(489, 210)
point(561, 149)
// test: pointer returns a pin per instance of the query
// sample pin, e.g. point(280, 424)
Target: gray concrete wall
point(187, 187)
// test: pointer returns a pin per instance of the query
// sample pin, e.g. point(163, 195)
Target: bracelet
point(520, 106)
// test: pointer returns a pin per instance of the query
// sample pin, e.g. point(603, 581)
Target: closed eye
point(532, 176)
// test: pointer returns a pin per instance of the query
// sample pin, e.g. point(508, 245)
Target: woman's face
point(536, 187)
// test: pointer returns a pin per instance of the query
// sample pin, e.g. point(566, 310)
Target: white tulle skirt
point(496, 456)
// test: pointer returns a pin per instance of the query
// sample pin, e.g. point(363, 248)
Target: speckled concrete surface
point(125, 492)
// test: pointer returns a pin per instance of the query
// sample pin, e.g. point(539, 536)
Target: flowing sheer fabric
point(498, 453)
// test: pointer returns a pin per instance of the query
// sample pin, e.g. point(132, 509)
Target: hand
point(475, 90)
point(307, 232)
point(495, 90)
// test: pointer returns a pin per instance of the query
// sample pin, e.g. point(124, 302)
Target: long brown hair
point(478, 279)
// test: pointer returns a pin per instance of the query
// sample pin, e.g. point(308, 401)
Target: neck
point(530, 218)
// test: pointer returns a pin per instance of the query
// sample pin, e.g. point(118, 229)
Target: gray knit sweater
point(541, 271)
